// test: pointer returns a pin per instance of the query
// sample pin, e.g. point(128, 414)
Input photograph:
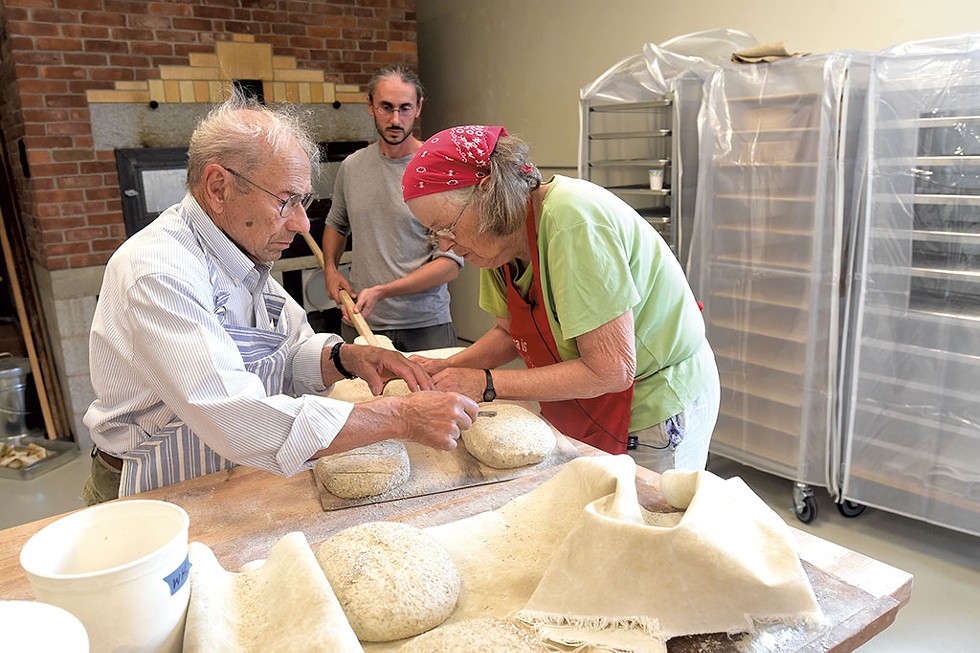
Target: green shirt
point(599, 259)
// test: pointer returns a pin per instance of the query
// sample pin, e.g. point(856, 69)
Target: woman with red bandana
point(582, 288)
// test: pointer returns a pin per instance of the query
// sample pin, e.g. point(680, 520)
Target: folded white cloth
point(580, 560)
point(765, 53)
point(283, 604)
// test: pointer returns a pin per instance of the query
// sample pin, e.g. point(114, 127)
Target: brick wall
point(53, 51)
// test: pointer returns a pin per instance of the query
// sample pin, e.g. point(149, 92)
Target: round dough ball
point(393, 580)
point(474, 636)
point(352, 390)
point(513, 437)
point(396, 388)
point(365, 471)
point(678, 487)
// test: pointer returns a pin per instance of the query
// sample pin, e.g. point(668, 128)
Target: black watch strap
point(335, 357)
point(489, 394)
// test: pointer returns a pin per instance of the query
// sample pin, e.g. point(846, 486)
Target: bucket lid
point(11, 367)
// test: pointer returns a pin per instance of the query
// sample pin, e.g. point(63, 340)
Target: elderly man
point(201, 361)
point(398, 277)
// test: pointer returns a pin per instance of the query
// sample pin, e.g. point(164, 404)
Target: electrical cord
point(631, 442)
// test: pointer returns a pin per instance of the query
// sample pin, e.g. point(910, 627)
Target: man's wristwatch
point(489, 394)
point(335, 357)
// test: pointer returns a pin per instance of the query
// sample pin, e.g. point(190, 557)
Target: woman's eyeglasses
point(448, 233)
point(286, 206)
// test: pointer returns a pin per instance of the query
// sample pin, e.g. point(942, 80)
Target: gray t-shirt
point(388, 242)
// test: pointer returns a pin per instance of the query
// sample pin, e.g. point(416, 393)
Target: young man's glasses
point(404, 111)
point(286, 206)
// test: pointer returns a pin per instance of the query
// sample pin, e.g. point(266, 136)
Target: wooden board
point(433, 472)
point(224, 516)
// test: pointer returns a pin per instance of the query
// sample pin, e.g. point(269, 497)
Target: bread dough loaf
point(352, 390)
point(513, 437)
point(474, 636)
point(392, 580)
point(365, 471)
point(396, 388)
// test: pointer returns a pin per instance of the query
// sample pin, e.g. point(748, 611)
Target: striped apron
point(174, 453)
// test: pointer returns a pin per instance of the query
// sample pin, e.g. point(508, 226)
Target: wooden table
point(241, 513)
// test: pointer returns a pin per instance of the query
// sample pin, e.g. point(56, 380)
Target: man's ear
point(216, 182)
point(418, 109)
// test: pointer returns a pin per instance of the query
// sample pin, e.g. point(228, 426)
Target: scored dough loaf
point(365, 471)
point(392, 580)
point(513, 437)
point(474, 636)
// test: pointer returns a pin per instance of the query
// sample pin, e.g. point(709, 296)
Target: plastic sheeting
point(834, 239)
point(912, 439)
point(642, 113)
point(766, 257)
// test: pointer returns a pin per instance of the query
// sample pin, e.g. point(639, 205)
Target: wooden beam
point(29, 312)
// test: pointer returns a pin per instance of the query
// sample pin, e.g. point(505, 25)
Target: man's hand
point(335, 282)
point(377, 366)
point(433, 419)
point(368, 298)
point(436, 419)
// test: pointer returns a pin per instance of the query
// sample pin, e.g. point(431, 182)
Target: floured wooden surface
point(440, 471)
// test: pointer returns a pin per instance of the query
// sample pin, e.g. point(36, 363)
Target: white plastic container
point(656, 178)
point(121, 568)
point(36, 626)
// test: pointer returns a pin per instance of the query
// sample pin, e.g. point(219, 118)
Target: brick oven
point(83, 80)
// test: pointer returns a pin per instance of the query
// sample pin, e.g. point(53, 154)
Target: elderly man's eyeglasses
point(286, 206)
point(448, 233)
point(404, 111)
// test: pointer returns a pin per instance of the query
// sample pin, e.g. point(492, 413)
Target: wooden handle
point(359, 323)
point(317, 252)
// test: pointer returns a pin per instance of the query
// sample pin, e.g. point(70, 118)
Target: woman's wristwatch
point(489, 394)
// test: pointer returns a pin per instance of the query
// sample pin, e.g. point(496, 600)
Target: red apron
point(603, 421)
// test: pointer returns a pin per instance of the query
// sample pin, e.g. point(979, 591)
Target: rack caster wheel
point(804, 503)
point(849, 508)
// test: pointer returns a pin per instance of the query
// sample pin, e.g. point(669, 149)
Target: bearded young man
point(398, 277)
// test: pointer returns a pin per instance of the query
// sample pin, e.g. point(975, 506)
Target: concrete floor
point(941, 616)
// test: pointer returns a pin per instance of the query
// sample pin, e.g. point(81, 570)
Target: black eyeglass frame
point(292, 201)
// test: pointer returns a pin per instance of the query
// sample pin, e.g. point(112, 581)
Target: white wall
point(521, 63)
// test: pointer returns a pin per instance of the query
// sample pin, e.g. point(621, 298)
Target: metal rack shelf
point(621, 142)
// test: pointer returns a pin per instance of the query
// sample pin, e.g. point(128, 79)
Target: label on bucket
point(179, 576)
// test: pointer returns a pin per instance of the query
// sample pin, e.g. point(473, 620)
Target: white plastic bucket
point(121, 568)
point(36, 626)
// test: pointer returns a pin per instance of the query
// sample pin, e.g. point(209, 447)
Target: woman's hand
point(432, 366)
point(463, 380)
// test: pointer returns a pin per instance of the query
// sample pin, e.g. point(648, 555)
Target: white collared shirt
point(158, 350)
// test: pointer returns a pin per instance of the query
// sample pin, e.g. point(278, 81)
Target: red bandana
point(454, 158)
